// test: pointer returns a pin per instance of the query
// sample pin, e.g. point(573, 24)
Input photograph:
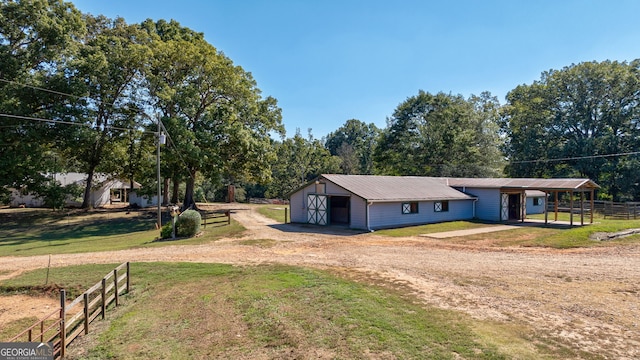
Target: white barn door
point(504, 207)
point(317, 209)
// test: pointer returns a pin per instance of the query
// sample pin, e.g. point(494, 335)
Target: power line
point(21, 117)
point(576, 158)
point(79, 97)
point(139, 111)
point(44, 89)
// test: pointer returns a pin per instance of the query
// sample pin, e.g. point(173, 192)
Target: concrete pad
point(501, 227)
point(482, 230)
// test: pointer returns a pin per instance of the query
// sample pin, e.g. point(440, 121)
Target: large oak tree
point(441, 135)
point(219, 124)
point(578, 122)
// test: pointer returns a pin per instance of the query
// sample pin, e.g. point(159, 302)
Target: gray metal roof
point(396, 188)
point(522, 183)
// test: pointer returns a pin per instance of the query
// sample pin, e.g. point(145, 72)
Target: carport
point(553, 187)
point(513, 194)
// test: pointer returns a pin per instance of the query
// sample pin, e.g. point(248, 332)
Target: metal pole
point(158, 171)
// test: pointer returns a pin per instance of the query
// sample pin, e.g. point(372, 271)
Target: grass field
point(275, 212)
point(179, 310)
point(25, 232)
point(223, 311)
point(560, 237)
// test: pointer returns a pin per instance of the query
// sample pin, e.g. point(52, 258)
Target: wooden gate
point(317, 209)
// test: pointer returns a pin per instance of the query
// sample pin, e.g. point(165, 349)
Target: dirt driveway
point(588, 299)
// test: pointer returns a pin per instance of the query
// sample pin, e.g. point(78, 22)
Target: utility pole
point(161, 140)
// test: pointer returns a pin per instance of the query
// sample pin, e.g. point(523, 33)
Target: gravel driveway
point(588, 299)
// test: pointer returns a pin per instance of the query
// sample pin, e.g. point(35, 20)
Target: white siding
point(358, 213)
point(533, 209)
point(385, 215)
point(488, 204)
point(298, 204)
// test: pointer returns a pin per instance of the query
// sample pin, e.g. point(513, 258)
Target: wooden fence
point(608, 209)
point(214, 217)
point(67, 322)
point(618, 210)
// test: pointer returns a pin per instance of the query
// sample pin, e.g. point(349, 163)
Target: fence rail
point(213, 217)
point(71, 321)
point(608, 209)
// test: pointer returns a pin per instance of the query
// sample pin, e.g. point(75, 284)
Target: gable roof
point(396, 188)
point(522, 183)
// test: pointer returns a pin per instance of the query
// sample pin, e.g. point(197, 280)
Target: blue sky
point(328, 61)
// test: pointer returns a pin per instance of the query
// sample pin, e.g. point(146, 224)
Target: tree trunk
point(174, 192)
point(165, 191)
point(189, 202)
point(128, 194)
point(86, 200)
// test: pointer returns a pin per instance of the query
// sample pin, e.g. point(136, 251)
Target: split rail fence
point(69, 321)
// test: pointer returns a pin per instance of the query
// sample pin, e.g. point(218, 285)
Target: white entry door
point(317, 209)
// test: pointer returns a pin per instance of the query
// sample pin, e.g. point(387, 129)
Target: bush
point(188, 223)
point(167, 230)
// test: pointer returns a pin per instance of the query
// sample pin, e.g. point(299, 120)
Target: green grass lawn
point(561, 237)
point(179, 310)
point(41, 232)
point(275, 212)
point(433, 228)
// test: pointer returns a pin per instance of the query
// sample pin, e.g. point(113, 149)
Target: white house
point(105, 190)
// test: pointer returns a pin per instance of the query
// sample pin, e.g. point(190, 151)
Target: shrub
point(188, 223)
point(167, 230)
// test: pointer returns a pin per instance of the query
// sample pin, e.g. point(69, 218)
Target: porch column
point(555, 207)
point(592, 205)
point(546, 207)
point(571, 208)
point(523, 205)
point(581, 208)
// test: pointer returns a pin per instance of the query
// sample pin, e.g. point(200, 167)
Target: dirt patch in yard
point(584, 299)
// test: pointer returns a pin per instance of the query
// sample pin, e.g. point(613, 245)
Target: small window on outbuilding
point(410, 208)
point(537, 201)
point(441, 206)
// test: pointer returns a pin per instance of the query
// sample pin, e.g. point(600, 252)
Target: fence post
point(63, 330)
point(115, 283)
point(228, 213)
point(86, 313)
point(104, 296)
point(128, 277)
point(285, 214)
point(42, 331)
point(30, 337)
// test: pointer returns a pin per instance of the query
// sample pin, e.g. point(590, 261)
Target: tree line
point(87, 93)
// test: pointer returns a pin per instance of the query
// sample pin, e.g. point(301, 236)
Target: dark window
point(536, 201)
point(441, 206)
point(410, 208)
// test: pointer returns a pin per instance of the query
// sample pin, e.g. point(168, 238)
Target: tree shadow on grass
point(86, 229)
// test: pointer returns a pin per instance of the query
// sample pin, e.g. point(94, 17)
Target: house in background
point(106, 190)
point(371, 202)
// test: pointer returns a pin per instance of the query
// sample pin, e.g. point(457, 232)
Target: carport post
point(555, 206)
point(571, 207)
point(592, 206)
point(581, 208)
point(546, 208)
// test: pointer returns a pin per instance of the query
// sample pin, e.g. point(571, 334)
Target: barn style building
point(370, 202)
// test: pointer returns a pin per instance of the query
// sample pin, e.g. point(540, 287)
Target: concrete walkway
point(501, 227)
